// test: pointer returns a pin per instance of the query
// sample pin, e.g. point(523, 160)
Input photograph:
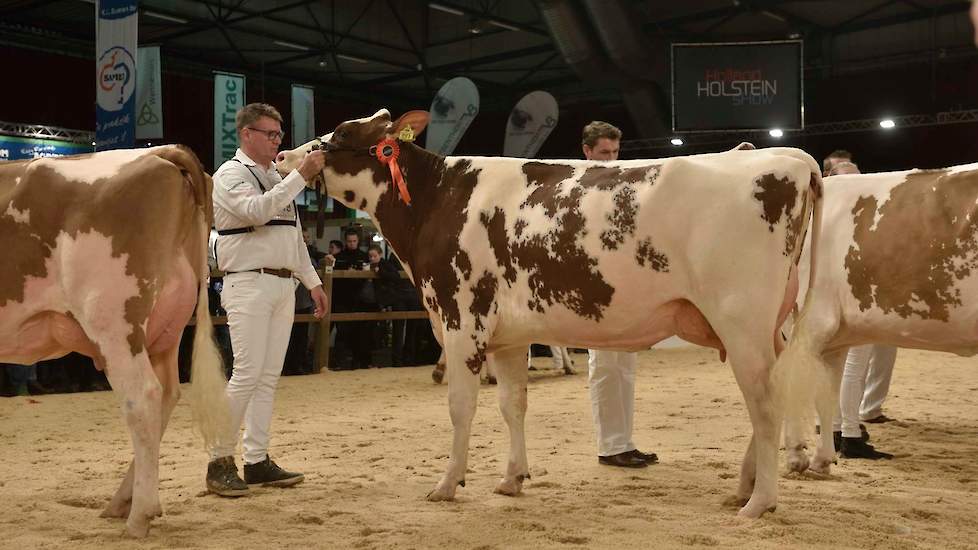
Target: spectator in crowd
point(347, 297)
point(314, 254)
point(333, 250)
point(396, 293)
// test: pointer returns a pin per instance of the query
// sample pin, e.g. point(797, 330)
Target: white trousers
point(861, 361)
point(877, 381)
point(611, 377)
point(560, 357)
point(261, 309)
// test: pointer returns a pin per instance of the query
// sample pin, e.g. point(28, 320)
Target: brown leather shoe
point(623, 460)
point(649, 458)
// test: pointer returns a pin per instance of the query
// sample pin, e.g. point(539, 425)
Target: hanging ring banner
point(115, 73)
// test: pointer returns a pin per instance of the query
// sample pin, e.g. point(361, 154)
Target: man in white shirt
point(611, 374)
point(260, 248)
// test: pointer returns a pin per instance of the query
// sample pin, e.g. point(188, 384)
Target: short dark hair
point(350, 231)
point(336, 243)
point(377, 248)
point(837, 154)
point(596, 130)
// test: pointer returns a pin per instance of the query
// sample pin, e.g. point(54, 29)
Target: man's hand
point(312, 165)
point(321, 300)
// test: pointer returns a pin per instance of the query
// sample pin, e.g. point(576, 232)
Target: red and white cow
point(107, 256)
point(610, 255)
point(897, 264)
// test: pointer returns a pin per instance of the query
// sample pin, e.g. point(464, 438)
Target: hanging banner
point(149, 96)
point(18, 148)
point(452, 111)
point(303, 124)
point(229, 97)
point(115, 73)
point(530, 123)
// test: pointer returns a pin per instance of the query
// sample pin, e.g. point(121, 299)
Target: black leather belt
point(283, 273)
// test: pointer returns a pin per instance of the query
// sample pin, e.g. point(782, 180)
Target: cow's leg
point(748, 473)
point(465, 356)
point(752, 369)
point(827, 402)
point(438, 373)
point(165, 368)
point(512, 377)
point(133, 380)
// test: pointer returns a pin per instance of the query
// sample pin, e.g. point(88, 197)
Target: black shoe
point(222, 478)
point(269, 474)
point(649, 458)
point(881, 419)
point(623, 460)
point(854, 447)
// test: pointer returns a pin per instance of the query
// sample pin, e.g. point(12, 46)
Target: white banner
point(115, 73)
point(149, 96)
point(452, 111)
point(529, 125)
point(229, 98)
point(303, 115)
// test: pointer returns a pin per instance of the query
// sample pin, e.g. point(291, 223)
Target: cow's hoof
point(755, 508)
point(117, 510)
point(509, 486)
point(821, 466)
point(137, 527)
point(797, 461)
point(443, 492)
point(735, 501)
point(437, 375)
point(569, 370)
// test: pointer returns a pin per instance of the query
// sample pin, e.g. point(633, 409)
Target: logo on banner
point(742, 86)
point(116, 84)
point(147, 116)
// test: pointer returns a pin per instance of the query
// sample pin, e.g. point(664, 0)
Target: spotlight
point(323, 62)
point(676, 141)
point(776, 132)
point(377, 238)
point(887, 123)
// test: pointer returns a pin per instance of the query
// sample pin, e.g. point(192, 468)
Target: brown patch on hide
point(925, 241)
point(777, 197)
point(607, 178)
point(349, 196)
point(570, 277)
point(363, 204)
point(496, 231)
point(622, 219)
point(483, 297)
point(647, 254)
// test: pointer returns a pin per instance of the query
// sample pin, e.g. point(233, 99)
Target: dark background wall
point(58, 90)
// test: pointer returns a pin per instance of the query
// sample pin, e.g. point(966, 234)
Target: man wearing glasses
point(260, 248)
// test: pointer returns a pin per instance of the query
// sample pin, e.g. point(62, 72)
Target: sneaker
point(854, 447)
point(269, 474)
point(223, 480)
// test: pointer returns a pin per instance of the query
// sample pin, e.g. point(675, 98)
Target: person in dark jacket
point(396, 293)
point(355, 335)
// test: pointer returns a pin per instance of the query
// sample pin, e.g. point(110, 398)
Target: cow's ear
point(417, 120)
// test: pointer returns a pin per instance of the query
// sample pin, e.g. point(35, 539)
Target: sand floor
point(373, 443)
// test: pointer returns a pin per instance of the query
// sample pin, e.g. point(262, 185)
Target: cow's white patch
point(361, 184)
point(105, 164)
point(19, 216)
point(963, 168)
point(373, 116)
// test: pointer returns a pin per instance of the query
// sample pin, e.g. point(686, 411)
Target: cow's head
point(355, 171)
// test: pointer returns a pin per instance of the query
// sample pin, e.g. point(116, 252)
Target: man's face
point(833, 162)
point(604, 149)
point(256, 142)
point(352, 242)
point(334, 249)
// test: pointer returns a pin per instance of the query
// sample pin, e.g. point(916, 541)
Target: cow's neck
point(400, 222)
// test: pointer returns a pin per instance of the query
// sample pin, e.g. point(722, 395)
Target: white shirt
point(240, 202)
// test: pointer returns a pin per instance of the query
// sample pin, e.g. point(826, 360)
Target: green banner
point(149, 94)
point(229, 97)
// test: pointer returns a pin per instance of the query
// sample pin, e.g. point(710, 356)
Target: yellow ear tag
point(407, 134)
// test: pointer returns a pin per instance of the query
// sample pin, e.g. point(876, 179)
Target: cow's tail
point(208, 401)
point(800, 363)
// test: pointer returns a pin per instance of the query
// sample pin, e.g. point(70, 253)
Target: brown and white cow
point(107, 257)
point(611, 255)
point(897, 264)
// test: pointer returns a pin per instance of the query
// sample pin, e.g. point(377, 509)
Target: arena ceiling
point(403, 50)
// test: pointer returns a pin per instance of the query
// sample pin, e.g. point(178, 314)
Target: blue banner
point(17, 148)
point(115, 73)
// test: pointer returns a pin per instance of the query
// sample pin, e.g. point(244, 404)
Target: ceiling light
point(292, 45)
point(676, 141)
point(887, 123)
point(351, 58)
point(377, 238)
point(323, 62)
point(165, 17)
point(502, 25)
point(446, 9)
point(776, 132)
